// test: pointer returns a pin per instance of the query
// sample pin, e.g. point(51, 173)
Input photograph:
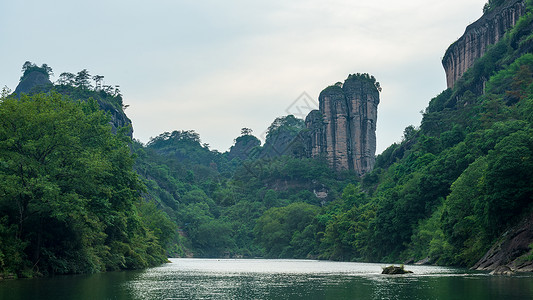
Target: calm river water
point(272, 279)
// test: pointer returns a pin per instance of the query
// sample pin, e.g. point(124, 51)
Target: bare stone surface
point(512, 251)
point(486, 31)
point(343, 130)
point(502, 270)
point(32, 82)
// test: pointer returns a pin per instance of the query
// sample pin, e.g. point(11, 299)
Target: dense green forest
point(70, 201)
point(446, 192)
point(77, 196)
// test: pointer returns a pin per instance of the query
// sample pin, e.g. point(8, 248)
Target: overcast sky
point(218, 66)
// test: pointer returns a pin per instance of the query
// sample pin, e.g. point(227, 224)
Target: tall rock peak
point(343, 130)
point(32, 82)
point(486, 31)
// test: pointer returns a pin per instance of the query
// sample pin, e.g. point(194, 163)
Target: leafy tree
point(246, 131)
point(66, 78)
point(98, 82)
point(68, 190)
point(277, 226)
point(289, 122)
point(82, 79)
point(29, 67)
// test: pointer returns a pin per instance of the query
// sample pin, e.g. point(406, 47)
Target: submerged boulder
point(393, 270)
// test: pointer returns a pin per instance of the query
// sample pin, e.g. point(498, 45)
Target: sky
point(218, 66)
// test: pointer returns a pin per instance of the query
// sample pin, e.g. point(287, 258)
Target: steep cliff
point(513, 250)
point(486, 31)
point(315, 139)
point(119, 119)
point(344, 128)
point(33, 82)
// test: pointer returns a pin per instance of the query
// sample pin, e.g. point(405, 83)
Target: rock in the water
point(394, 270)
point(502, 270)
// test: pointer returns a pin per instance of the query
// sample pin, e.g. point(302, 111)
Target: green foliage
point(492, 4)
point(428, 241)
point(67, 190)
point(77, 86)
point(282, 230)
point(346, 226)
point(30, 67)
point(366, 77)
point(452, 187)
point(287, 123)
point(71, 202)
point(217, 212)
point(444, 193)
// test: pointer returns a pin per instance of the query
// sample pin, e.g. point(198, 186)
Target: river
point(272, 279)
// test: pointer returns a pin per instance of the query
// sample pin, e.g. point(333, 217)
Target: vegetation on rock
point(74, 197)
point(69, 198)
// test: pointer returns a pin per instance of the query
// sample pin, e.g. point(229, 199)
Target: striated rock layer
point(512, 253)
point(486, 31)
point(343, 130)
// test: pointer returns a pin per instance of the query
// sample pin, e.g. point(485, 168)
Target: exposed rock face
point(344, 128)
point(502, 270)
point(32, 82)
point(118, 118)
point(512, 252)
point(488, 30)
point(315, 138)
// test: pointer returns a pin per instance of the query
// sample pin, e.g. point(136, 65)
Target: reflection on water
point(273, 279)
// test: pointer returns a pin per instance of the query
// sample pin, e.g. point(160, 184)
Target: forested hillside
point(70, 201)
point(445, 193)
point(78, 195)
point(460, 180)
point(216, 199)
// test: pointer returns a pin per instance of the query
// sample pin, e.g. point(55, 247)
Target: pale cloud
point(218, 66)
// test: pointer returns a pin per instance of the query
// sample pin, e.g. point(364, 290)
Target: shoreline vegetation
point(79, 195)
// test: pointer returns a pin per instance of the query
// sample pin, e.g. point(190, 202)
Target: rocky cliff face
point(118, 118)
point(512, 251)
point(344, 128)
point(486, 31)
point(33, 82)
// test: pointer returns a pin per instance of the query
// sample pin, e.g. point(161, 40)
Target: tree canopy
point(69, 197)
